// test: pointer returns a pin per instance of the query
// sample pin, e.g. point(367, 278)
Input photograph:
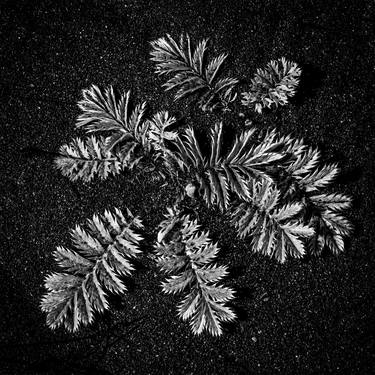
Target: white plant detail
point(193, 74)
point(273, 85)
point(100, 256)
point(89, 158)
point(271, 185)
point(276, 231)
point(187, 253)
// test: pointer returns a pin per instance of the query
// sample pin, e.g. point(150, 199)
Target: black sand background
point(312, 316)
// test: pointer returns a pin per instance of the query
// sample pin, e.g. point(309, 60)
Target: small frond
point(273, 85)
point(183, 249)
point(331, 227)
point(100, 256)
point(304, 162)
point(89, 158)
point(102, 110)
point(275, 231)
point(320, 178)
point(192, 73)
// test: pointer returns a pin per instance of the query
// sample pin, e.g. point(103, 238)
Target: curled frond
point(186, 253)
point(192, 73)
point(100, 255)
point(273, 85)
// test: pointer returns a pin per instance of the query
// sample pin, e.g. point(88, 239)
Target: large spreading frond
point(100, 255)
point(186, 253)
point(276, 231)
point(219, 174)
point(273, 85)
point(89, 158)
point(305, 179)
point(192, 73)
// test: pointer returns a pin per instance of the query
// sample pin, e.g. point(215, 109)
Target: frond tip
point(89, 158)
point(188, 253)
point(192, 73)
point(275, 231)
point(100, 256)
point(331, 227)
point(273, 85)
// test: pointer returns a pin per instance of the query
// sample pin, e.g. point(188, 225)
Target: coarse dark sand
point(310, 316)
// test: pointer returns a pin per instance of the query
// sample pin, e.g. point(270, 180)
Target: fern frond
point(275, 231)
point(160, 136)
point(183, 249)
point(220, 174)
point(101, 254)
point(305, 160)
point(331, 227)
point(89, 158)
point(192, 73)
point(103, 111)
point(273, 85)
point(333, 202)
point(320, 178)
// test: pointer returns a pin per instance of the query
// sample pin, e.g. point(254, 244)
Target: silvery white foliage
point(89, 158)
point(323, 211)
point(273, 85)
point(187, 254)
point(192, 72)
point(130, 138)
point(159, 133)
point(219, 174)
point(276, 229)
point(103, 111)
point(330, 225)
point(100, 255)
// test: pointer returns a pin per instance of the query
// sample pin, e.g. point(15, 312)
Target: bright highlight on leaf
point(193, 73)
point(276, 231)
point(273, 186)
point(130, 137)
point(273, 85)
point(100, 255)
point(89, 158)
point(218, 174)
point(188, 254)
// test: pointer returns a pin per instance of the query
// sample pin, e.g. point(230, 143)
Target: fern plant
point(273, 85)
point(100, 256)
point(186, 253)
point(273, 186)
point(296, 190)
point(193, 74)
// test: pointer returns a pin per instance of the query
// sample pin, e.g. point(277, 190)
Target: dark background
point(314, 315)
